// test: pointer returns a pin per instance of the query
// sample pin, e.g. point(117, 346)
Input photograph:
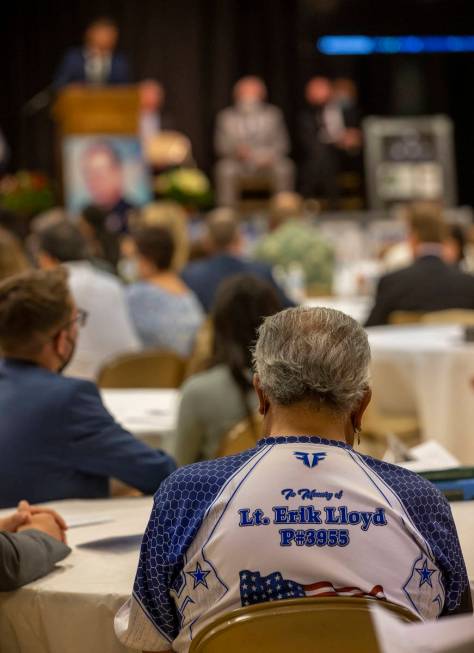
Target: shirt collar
point(429, 249)
point(303, 439)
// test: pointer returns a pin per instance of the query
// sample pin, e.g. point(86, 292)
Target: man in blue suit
point(96, 62)
point(57, 440)
point(224, 243)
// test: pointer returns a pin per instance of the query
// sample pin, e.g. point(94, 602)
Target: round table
point(427, 371)
point(147, 413)
point(72, 609)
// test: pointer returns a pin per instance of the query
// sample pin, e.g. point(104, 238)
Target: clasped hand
point(37, 517)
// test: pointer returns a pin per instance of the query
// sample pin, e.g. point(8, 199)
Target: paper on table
point(86, 520)
point(428, 456)
point(453, 635)
point(116, 543)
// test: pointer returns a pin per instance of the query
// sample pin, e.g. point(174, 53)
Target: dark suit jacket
point(427, 285)
point(204, 277)
point(57, 440)
point(72, 69)
point(26, 556)
point(310, 127)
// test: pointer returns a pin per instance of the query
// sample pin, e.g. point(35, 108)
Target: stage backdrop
point(199, 47)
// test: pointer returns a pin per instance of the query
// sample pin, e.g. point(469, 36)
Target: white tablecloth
point(72, 609)
point(149, 414)
point(427, 371)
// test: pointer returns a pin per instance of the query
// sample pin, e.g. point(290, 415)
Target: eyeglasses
point(80, 319)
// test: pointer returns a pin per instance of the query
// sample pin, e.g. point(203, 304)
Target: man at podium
point(97, 62)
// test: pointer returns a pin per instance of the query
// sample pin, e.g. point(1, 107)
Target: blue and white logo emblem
point(309, 459)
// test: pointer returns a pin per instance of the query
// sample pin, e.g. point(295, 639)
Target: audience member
point(166, 314)
point(454, 245)
point(109, 330)
point(293, 239)
point(57, 440)
point(429, 284)
point(12, 256)
point(217, 399)
point(9, 221)
point(103, 244)
point(224, 244)
point(326, 128)
point(251, 139)
point(32, 541)
point(171, 216)
point(256, 526)
point(97, 62)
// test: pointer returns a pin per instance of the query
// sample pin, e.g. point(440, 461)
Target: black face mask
point(65, 361)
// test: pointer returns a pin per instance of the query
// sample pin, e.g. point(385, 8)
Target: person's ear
point(263, 403)
point(46, 262)
point(359, 412)
point(62, 344)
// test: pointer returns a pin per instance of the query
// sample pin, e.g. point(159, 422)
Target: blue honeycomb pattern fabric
point(431, 514)
point(178, 511)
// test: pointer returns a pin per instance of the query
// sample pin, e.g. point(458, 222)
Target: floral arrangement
point(187, 186)
point(26, 193)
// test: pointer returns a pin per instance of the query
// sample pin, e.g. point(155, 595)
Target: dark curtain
point(198, 48)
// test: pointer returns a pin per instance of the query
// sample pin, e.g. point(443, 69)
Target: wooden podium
point(93, 110)
point(81, 110)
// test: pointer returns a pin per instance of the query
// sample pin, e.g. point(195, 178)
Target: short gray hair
point(314, 355)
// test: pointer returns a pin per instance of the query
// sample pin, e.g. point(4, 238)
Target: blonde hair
point(172, 217)
point(12, 257)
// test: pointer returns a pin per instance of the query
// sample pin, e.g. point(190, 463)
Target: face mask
point(66, 360)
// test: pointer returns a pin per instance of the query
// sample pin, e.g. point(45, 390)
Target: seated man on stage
point(251, 140)
point(57, 440)
point(153, 118)
point(326, 131)
point(302, 513)
point(32, 541)
point(97, 62)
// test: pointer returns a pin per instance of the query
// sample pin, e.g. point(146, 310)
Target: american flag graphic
point(255, 588)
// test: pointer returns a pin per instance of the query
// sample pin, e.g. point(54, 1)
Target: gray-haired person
point(302, 513)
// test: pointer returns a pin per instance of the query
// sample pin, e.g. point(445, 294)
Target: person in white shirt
point(153, 118)
point(302, 513)
point(109, 330)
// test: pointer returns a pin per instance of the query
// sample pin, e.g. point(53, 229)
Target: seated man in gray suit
point(251, 140)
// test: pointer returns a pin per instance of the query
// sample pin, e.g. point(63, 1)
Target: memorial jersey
point(293, 517)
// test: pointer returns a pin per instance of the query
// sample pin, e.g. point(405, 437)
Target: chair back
point(241, 437)
point(399, 318)
point(309, 625)
point(146, 369)
point(451, 316)
point(202, 350)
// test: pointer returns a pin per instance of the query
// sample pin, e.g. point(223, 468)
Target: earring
point(357, 430)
